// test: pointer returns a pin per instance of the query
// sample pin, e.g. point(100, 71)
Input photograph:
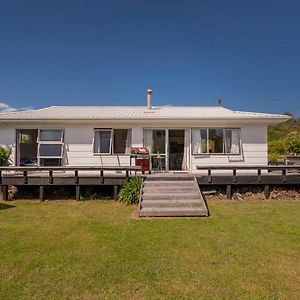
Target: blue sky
point(85, 52)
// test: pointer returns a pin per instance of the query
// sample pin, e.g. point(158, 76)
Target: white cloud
point(5, 108)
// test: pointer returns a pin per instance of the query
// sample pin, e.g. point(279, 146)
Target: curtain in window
point(97, 142)
point(102, 142)
point(128, 142)
point(186, 151)
point(148, 140)
point(235, 142)
point(196, 139)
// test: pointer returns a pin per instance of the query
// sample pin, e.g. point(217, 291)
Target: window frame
point(58, 142)
point(111, 146)
point(207, 144)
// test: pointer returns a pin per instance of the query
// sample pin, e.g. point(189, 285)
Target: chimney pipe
point(149, 99)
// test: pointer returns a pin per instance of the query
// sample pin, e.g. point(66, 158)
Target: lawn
point(100, 249)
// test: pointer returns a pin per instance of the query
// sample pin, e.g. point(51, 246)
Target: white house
point(178, 137)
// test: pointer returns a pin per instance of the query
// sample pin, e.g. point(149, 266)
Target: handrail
point(71, 168)
point(141, 194)
point(257, 167)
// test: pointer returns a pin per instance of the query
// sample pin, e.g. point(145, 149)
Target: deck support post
point(228, 191)
point(4, 193)
point(267, 191)
point(115, 192)
point(77, 192)
point(42, 193)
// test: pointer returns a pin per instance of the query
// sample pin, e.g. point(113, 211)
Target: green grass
point(98, 250)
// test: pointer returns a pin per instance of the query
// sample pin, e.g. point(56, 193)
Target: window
point(232, 141)
point(50, 147)
point(216, 141)
point(51, 135)
point(120, 141)
point(200, 142)
point(112, 141)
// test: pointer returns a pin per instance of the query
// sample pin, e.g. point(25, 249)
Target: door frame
point(167, 169)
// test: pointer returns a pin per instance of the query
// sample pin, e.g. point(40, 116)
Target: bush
point(130, 191)
point(5, 153)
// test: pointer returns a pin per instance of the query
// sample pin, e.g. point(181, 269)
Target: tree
point(293, 143)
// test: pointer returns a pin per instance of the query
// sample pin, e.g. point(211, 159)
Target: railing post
point(209, 176)
point(76, 177)
point(234, 179)
point(284, 175)
point(101, 177)
point(25, 178)
point(51, 177)
point(259, 175)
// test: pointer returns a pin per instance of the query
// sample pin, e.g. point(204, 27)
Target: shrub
point(5, 153)
point(130, 191)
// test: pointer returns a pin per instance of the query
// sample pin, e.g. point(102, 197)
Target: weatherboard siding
point(254, 150)
point(78, 139)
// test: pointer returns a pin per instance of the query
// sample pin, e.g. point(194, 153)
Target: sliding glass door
point(155, 141)
point(169, 149)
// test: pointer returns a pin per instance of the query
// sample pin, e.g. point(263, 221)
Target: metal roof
point(136, 113)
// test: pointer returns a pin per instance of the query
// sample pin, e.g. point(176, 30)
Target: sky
point(96, 52)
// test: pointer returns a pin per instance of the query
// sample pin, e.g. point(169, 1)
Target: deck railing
point(275, 175)
point(45, 176)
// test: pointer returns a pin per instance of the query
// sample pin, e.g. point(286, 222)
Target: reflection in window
point(215, 142)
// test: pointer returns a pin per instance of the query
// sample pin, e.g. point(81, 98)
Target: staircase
point(171, 196)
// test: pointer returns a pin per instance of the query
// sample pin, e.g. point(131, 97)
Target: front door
point(176, 149)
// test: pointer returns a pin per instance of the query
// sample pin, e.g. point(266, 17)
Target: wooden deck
point(228, 176)
point(64, 176)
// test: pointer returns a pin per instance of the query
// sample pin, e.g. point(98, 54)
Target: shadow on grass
point(5, 206)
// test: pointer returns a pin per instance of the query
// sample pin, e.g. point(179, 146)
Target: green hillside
point(284, 139)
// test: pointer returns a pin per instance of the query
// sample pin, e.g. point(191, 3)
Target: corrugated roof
point(134, 113)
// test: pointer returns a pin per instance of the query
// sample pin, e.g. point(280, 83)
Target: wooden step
point(172, 196)
point(169, 183)
point(172, 212)
point(169, 189)
point(171, 203)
